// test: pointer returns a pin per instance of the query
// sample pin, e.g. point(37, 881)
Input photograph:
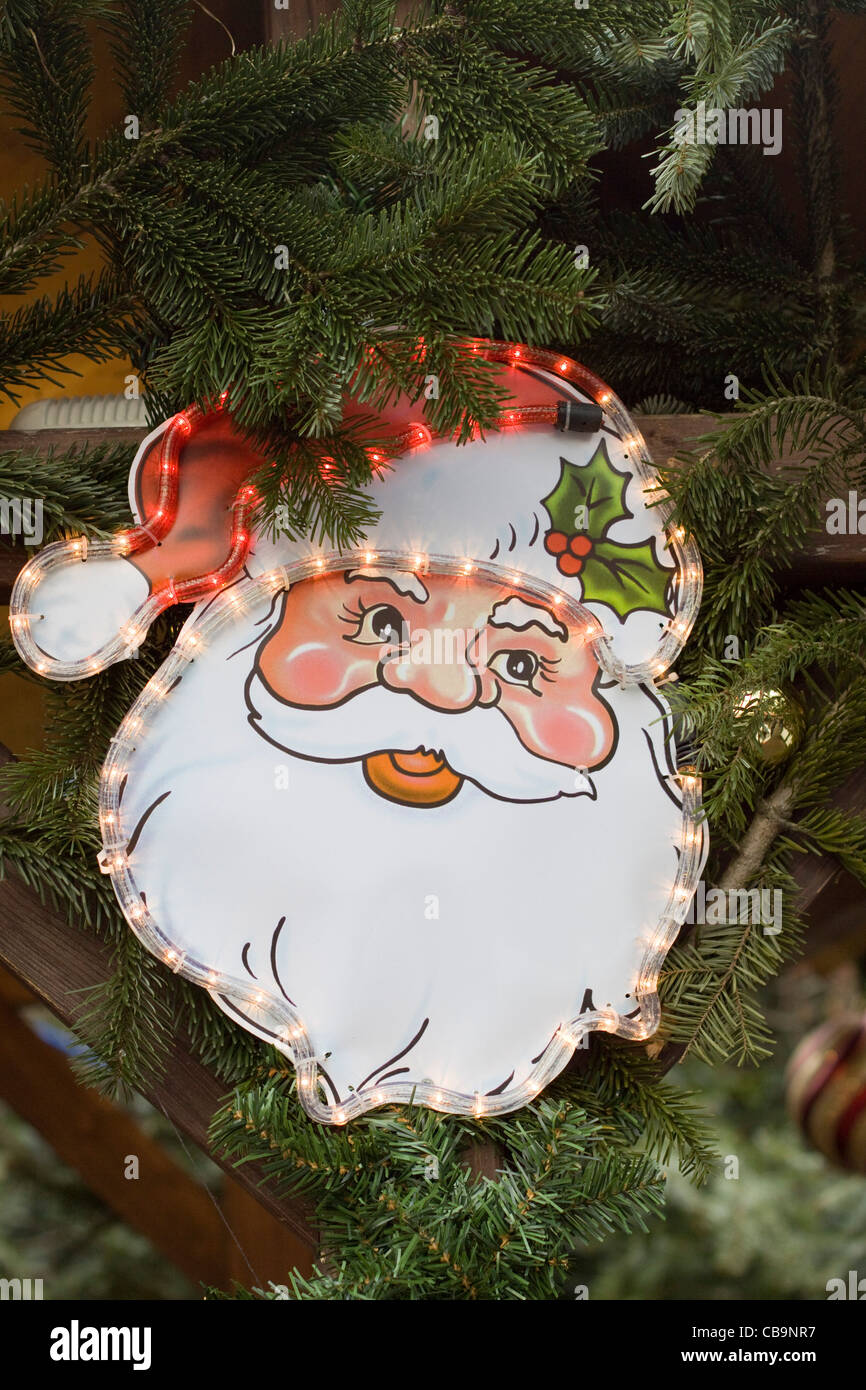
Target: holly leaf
point(625, 577)
point(588, 498)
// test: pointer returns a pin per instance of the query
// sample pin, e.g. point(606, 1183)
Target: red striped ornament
point(826, 1091)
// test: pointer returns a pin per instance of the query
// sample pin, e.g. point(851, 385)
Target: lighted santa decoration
point(411, 813)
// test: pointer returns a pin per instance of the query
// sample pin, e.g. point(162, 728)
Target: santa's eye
point(382, 625)
point(518, 668)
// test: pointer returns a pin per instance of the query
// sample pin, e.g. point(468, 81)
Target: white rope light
point(232, 603)
point(293, 1038)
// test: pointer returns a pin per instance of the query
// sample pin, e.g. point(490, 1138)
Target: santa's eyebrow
point(402, 581)
point(516, 613)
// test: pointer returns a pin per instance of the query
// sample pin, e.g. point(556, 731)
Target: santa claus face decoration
point(411, 813)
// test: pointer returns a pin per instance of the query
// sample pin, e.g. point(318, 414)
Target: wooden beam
point(262, 1242)
point(96, 1139)
point(13, 993)
point(57, 961)
point(60, 440)
point(239, 1240)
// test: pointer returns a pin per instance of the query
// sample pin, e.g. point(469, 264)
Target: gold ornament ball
point(778, 728)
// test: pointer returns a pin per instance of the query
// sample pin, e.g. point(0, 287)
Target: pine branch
point(82, 490)
point(734, 61)
point(146, 40)
point(126, 1023)
point(47, 69)
point(92, 318)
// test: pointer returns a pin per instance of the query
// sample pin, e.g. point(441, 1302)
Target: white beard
point(479, 744)
point(471, 930)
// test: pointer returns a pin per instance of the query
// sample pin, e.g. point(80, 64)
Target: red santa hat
point(562, 498)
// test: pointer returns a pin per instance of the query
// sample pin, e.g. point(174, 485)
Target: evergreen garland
point(319, 148)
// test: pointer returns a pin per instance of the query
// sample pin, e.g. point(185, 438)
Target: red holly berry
point(555, 542)
point(580, 545)
point(569, 564)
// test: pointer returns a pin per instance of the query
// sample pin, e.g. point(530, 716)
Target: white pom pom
point(85, 606)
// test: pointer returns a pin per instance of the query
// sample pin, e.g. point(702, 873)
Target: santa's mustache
point(479, 743)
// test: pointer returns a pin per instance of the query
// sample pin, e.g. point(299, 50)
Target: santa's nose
point(447, 685)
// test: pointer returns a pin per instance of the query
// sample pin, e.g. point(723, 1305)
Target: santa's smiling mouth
point(413, 779)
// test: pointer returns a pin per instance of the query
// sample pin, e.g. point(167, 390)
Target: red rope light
point(157, 525)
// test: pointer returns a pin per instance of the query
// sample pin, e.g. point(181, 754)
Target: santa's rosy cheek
point(318, 674)
point(566, 729)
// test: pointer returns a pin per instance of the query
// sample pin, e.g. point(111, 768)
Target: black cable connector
point(581, 417)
